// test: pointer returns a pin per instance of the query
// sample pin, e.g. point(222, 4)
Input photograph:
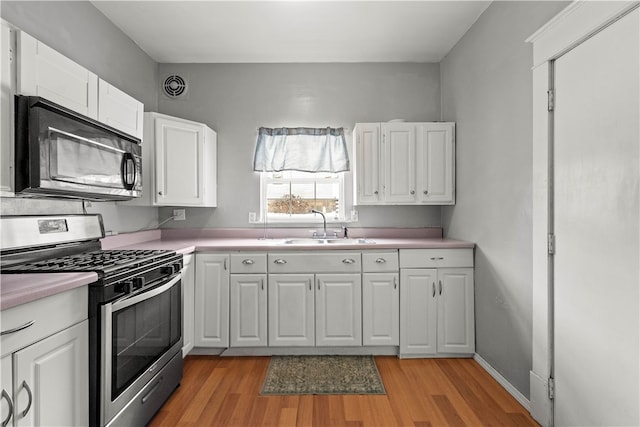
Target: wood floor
point(225, 391)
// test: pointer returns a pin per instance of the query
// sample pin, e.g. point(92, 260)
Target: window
point(289, 196)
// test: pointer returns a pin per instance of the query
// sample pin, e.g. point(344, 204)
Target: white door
point(338, 310)
point(418, 311)
point(399, 147)
point(179, 163)
point(291, 310)
point(456, 332)
point(188, 304)
point(51, 380)
point(380, 309)
point(119, 110)
point(367, 165)
point(248, 311)
point(44, 72)
point(596, 215)
point(6, 382)
point(436, 161)
point(212, 300)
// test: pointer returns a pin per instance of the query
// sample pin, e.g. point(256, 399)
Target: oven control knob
point(167, 270)
point(177, 266)
point(138, 283)
point(124, 287)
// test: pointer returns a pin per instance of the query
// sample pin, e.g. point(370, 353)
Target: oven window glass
point(141, 334)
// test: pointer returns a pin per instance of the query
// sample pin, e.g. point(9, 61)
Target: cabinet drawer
point(378, 262)
point(435, 258)
point(315, 262)
point(49, 315)
point(249, 263)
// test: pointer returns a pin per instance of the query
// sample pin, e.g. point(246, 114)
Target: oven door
point(140, 334)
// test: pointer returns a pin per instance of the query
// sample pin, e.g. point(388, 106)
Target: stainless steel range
point(135, 319)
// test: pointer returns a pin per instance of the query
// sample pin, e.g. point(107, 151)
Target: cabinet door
point(179, 162)
point(44, 72)
point(188, 304)
point(248, 311)
point(456, 332)
point(399, 147)
point(367, 165)
point(436, 163)
point(119, 110)
point(51, 380)
point(6, 382)
point(338, 310)
point(291, 310)
point(212, 301)
point(380, 309)
point(418, 311)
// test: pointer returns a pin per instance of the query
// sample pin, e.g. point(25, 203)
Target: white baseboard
point(503, 382)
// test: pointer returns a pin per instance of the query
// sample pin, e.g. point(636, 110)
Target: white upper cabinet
point(402, 163)
point(44, 72)
point(179, 163)
point(119, 110)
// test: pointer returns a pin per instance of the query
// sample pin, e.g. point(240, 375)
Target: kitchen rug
point(322, 375)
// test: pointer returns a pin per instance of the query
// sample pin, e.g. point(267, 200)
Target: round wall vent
point(174, 86)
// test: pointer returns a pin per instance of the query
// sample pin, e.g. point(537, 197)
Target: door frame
point(572, 26)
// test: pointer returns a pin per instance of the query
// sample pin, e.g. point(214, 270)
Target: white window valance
point(301, 149)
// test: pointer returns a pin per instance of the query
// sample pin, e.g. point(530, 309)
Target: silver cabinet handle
point(375, 192)
point(26, 387)
point(262, 284)
point(318, 283)
point(425, 192)
point(16, 329)
point(436, 258)
point(310, 285)
point(224, 264)
point(440, 286)
point(433, 289)
point(381, 260)
point(6, 396)
point(395, 283)
point(248, 261)
point(349, 261)
point(413, 191)
point(280, 261)
point(160, 193)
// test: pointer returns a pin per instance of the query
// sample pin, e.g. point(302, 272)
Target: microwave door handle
point(128, 169)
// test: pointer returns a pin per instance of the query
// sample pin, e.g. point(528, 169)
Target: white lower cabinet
point(436, 304)
point(45, 375)
point(212, 300)
point(380, 299)
point(248, 311)
point(188, 304)
point(321, 310)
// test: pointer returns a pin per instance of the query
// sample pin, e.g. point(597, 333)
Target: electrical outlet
point(179, 215)
point(252, 217)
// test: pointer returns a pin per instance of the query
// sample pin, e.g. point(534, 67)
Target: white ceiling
point(294, 31)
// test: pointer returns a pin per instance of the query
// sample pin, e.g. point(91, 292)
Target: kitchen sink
point(335, 241)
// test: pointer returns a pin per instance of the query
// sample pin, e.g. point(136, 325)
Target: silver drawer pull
point(280, 261)
point(436, 258)
point(248, 261)
point(381, 260)
point(19, 328)
point(349, 261)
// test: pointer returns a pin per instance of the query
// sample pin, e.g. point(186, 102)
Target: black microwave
point(61, 153)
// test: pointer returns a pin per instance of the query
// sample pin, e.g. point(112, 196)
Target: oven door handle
point(131, 300)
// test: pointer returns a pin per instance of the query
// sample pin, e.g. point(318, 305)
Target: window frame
point(298, 219)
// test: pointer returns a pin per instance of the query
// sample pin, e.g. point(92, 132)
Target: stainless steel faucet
point(324, 221)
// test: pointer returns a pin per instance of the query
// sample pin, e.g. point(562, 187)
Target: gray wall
point(487, 90)
point(236, 99)
point(81, 32)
